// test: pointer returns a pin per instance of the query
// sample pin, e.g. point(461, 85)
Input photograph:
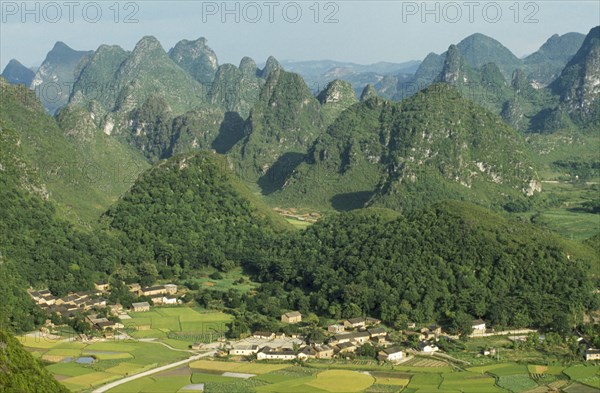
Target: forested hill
point(447, 263)
point(21, 372)
point(191, 211)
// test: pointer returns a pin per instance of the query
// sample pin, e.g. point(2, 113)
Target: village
point(343, 340)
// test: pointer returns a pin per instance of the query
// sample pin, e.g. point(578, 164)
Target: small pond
point(85, 360)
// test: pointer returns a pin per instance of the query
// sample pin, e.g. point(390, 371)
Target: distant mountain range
point(319, 73)
point(391, 80)
point(324, 146)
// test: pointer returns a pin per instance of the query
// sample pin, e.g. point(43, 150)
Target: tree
point(312, 320)
point(367, 350)
point(401, 322)
point(148, 273)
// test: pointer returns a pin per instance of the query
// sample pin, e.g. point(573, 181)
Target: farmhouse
point(153, 291)
point(102, 286)
point(346, 347)
point(264, 335)
point(104, 325)
point(390, 354)
point(360, 337)
point(276, 353)
point(171, 289)
point(431, 332)
point(372, 321)
point(41, 297)
point(378, 335)
point(140, 307)
point(167, 300)
point(134, 287)
point(478, 326)
point(592, 354)
point(291, 317)
point(355, 323)
point(167, 289)
point(243, 350)
point(197, 346)
point(116, 308)
point(426, 347)
point(337, 328)
point(307, 352)
point(377, 332)
point(50, 300)
point(324, 351)
point(340, 338)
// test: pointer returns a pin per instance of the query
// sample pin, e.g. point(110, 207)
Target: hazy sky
point(358, 31)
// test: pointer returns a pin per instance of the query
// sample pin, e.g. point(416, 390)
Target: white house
point(244, 350)
point(478, 325)
point(426, 347)
point(592, 354)
point(391, 354)
point(276, 353)
point(307, 352)
point(166, 300)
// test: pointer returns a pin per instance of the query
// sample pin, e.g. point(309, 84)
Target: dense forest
point(190, 212)
point(444, 263)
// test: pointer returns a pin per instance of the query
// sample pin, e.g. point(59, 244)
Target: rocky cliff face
point(546, 64)
point(282, 125)
point(17, 74)
point(236, 89)
point(335, 98)
point(579, 83)
point(197, 58)
point(435, 145)
point(54, 79)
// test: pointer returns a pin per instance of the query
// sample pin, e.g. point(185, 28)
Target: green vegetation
point(113, 360)
point(70, 164)
point(182, 325)
point(433, 146)
point(21, 373)
point(444, 263)
point(282, 125)
point(190, 212)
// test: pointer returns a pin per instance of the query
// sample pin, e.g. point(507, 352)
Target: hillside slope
point(21, 372)
point(83, 171)
point(435, 145)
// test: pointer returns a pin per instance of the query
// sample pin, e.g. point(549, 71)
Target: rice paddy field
point(242, 377)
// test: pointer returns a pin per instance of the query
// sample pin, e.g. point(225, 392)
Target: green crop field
point(516, 383)
point(587, 375)
point(469, 382)
point(184, 324)
point(114, 359)
point(342, 381)
point(248, 368)
point(153, 385)
point(89, 380)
